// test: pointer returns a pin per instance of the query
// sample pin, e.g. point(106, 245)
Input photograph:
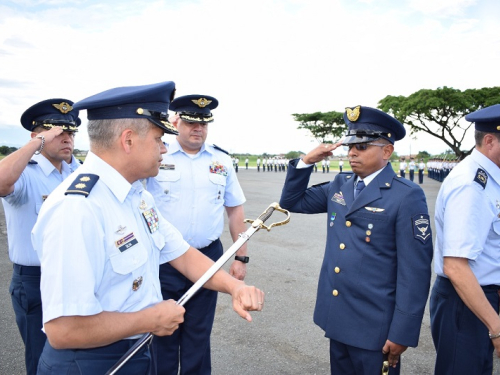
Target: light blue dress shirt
point(97, 252)
point(191, 192)
point(22, 206)
point(468, 219)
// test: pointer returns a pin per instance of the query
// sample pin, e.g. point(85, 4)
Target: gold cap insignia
point(63, 107)
point(202, 102)
point(80, 186)
point(353, 113)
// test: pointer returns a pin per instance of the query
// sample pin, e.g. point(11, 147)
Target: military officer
point(411, 168)
point(402, 167)
point(29, 175)
point(375, 277)
point(194, 188)
point(421, 168)
point(100, 285)
point(464, 300)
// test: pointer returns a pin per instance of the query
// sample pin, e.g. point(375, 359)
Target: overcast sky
point(262, 59)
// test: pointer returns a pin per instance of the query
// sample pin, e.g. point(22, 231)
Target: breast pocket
point(125, 262)
point(219, 187)
point(169, 183)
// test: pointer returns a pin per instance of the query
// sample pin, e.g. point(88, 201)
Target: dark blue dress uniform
point(375, 277)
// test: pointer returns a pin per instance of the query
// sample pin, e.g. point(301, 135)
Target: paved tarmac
point(285, 263)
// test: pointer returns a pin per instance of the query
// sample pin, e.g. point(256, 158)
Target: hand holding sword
point(245, 298)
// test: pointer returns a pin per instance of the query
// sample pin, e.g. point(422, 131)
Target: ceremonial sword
point(243, 237)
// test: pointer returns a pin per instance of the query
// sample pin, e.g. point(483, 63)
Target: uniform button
point(342, 246)
point(347, 223)
point(337, 270)
point(335, 292)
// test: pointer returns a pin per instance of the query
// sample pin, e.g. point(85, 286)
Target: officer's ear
point(127, 140)
point(387, 151)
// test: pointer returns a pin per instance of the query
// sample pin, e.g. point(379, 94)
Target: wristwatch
point(242, 259)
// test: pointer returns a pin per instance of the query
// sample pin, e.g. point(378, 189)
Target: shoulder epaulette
point(220, 149)
point(83, 184)
point(481, 177)
point(32, 162)
point(320, 184)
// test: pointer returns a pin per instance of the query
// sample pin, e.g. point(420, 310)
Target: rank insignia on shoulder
point(481, 177)
point(220, 149)
point(421, 227)
point(32, 162)
point(83, 184)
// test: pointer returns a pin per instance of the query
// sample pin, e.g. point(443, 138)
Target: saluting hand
point(51, 134)
point(319, 153)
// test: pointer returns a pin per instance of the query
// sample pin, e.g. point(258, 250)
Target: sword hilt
point(259, 222)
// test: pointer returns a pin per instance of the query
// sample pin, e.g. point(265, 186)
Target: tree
point(293, 154)
point(441, 112)
point(423, 155)
point(325, 127)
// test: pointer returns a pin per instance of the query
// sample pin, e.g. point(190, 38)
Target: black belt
point(484, 287)
point(27, 270)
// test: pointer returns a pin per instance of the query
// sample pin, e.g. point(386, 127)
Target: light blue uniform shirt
point(21, 206)
point(192, 190)
point(468, 219)
point(95, 250)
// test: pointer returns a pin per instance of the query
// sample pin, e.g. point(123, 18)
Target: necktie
point(359, 186)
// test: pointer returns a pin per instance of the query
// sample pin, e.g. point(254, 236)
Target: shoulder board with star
point(220, 149)
point(83, 184)
point(481, 177)
point(32, 162)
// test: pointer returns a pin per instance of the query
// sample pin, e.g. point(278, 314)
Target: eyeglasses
point(362, 146)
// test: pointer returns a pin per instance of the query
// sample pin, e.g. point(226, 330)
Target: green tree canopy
point(326, 127)
point(441, 112)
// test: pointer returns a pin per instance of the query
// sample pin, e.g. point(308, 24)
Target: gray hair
point(479, 136)
point(103, 133)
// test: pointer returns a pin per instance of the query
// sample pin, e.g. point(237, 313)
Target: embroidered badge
point(143, 205)
point(339, 198)
point(218, 168)
point(126, 242)
point(151, 218)
point(421, 227)
point(167, 167)
point(481, 177)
